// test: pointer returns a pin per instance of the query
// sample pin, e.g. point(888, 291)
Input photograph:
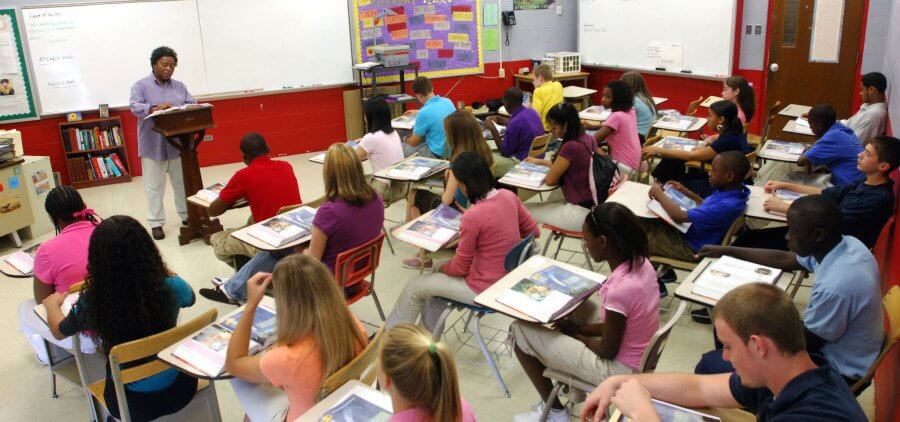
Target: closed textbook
point(433, 231)
point(548, 293)
point(285, 228)
point(416, 168)
point(526, 174)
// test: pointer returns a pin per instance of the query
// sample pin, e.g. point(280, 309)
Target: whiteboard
point(275, 44)
point(87, 55)
point(693, 35)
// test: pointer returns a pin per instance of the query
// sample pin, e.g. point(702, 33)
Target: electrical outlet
point(749, 30)
point(207, 138)
point(501, 73)
point(758, 29)
point(559, 10)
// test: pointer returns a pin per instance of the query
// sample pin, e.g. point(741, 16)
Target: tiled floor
point(27, 383)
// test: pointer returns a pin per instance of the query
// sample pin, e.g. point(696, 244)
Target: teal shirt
point(644, 115)
point(430, 123)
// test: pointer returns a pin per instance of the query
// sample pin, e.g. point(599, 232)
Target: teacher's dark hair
point(621, 228)
point(160, 52)
point(472, 171)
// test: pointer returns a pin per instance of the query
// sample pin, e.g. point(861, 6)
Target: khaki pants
point(502, 164)
point(154, 175)
point(557, 212)
point(665, 240)
point(390, 192)
point(226, 246)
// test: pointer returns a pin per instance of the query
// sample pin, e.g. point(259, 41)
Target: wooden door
point(800, 81)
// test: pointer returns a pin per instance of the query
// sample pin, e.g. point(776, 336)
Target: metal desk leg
point(14, 236)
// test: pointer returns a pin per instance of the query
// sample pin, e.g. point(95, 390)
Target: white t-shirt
point(383, 150)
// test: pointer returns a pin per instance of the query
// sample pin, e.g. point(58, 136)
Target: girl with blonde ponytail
point(420, 376)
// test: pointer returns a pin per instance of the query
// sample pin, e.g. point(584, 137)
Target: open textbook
point(416, 168)
point(23, 260)
point(177, 109)
point(727, 273)
point(548, 293)
point(432, 231)
point(206, 350)
point(284, 228)
point(404, 122)
point(681, 200)
point(526, 174)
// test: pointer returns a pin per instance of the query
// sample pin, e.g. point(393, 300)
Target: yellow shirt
point(545, 97)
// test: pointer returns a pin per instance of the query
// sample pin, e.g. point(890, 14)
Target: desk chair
point(649, 360)
point(693, 107)
point(148, 347)
point(351, 268)
point(516, 256)
point(57, 363)
point(770, 118)
point(390, 201)
point(891, 303)
point(362, 368)
point(539, 145)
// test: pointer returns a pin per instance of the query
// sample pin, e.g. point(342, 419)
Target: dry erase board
point(695, 36)
point(85, 54)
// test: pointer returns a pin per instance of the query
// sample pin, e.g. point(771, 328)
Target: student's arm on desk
point(41, 290)
point(237, 360)
point(686, 390)
point(700, 154)
point(784, 260)
point(678, 215)
point(218, 207)
point(557, 168)
point(772, 185)
point(53, 305)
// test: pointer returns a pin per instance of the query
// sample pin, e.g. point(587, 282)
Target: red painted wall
point(292, 123)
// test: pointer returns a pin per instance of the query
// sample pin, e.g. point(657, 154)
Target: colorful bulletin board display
point(16, 101)
point(444, 35)
point(532, 4)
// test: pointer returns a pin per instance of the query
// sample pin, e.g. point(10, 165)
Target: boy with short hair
point(836, 148)
point(865, 205)
point(429, 121)
point(775, 377)
point(711, 218)
point(523, 126)
point(547, 92)
point(871, 118)
point(843, 319)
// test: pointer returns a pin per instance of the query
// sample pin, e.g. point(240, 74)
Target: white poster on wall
point(828, 23)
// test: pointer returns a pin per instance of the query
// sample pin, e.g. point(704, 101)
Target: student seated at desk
point(871, 119)
point(266, 184)
point(316, 336)
point(836, 149)
point(524, 124)
point(382, 146)
point(774, 376)
point(352, 214)
point(494, 223)
point(420, 376)
point(570, 168)
point(429, 121)
point(710, 219)
point(463, 135)
point(865, 205)
point(723, 119)
point(129, 295)
point(843, 319)
point(547, 92)
point(644, 106)
point(58, 264)
point(620, 131)
point(596, 342)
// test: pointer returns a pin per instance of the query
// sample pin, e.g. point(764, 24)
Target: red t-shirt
point(266, 184)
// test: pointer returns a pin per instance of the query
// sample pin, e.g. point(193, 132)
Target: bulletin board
point(444, 35)
point(16, 98)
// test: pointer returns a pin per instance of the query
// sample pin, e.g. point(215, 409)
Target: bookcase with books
point(95, 152)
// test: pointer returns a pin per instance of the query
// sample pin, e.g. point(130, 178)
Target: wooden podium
point(184, 129)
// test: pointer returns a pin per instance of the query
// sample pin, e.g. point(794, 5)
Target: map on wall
point(444, 36)
point(532, 4)
point(16, 101)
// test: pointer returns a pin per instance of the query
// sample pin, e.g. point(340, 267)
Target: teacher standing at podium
point(155, 92)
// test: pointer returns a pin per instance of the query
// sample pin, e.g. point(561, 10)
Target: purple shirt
point(348, 226)
point(576, 178)
point(524, 125)
point(146, 93)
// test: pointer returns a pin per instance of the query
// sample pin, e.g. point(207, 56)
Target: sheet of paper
point(491, 14)
point(491, 38)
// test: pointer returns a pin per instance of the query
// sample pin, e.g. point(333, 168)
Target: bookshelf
point(95, 152)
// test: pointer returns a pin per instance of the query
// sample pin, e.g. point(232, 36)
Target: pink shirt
point(634, 294)
point(383, 150)
point(741, 116)
point(624, 141)
point(417, 414)
point(488, 231)
point(62, 261)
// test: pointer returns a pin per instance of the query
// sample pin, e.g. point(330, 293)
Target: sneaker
point(218, 295)
point(555, 415)
point(157, 233)
point(416, 263)
point(185, 222)
point(669, 276)
point(218, 281)
point(701, 315)
point(40, 349)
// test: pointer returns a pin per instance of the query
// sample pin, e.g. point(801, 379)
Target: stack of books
point(285, 228)
point(727, 273)
point(416, 168)
point(525, 174)
point(681, 200)
point(432, 231)
point(548, 293)
point(674, 142)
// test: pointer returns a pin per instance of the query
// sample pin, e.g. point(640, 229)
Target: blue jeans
point(264, 261)
point(422, 149)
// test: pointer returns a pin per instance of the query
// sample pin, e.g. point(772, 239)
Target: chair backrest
point(733, 230)
point(658, 342)
point(314, 203)
point(693, 106)
point(354, 265)
point(751, 156)
point(362, 367)
point(145, 348)
point(519, 253)
point(539, 145)
point(770, 118)
point(891, 304)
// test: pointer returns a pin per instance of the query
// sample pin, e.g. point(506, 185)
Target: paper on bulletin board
point(491, 14)
point(828, 23)
point(491, 38)
point(16, 101)
point(445, 38)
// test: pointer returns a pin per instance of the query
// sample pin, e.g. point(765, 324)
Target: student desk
point(244, 236)
point(578, 95)
point(794, 110)
point(534, 264)
point(699, 124)
point(763, 154)
point(685, 289)
point(792, 127)
point(755, 208)
point(559, 77)
point(10, 271)
point(170, 359)
point(659, 100)
point(710, 100)
point(634, 196)
point(316, 412)
point(540, 189)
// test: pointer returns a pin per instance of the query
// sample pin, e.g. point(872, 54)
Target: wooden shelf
point(92, 122)
point(102, 182)
point(91, 151)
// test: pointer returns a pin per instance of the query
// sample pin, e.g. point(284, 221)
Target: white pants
point(155, 188)
point(557, 212)
point(261, 402)
point(36, 330)
point(420, 299)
